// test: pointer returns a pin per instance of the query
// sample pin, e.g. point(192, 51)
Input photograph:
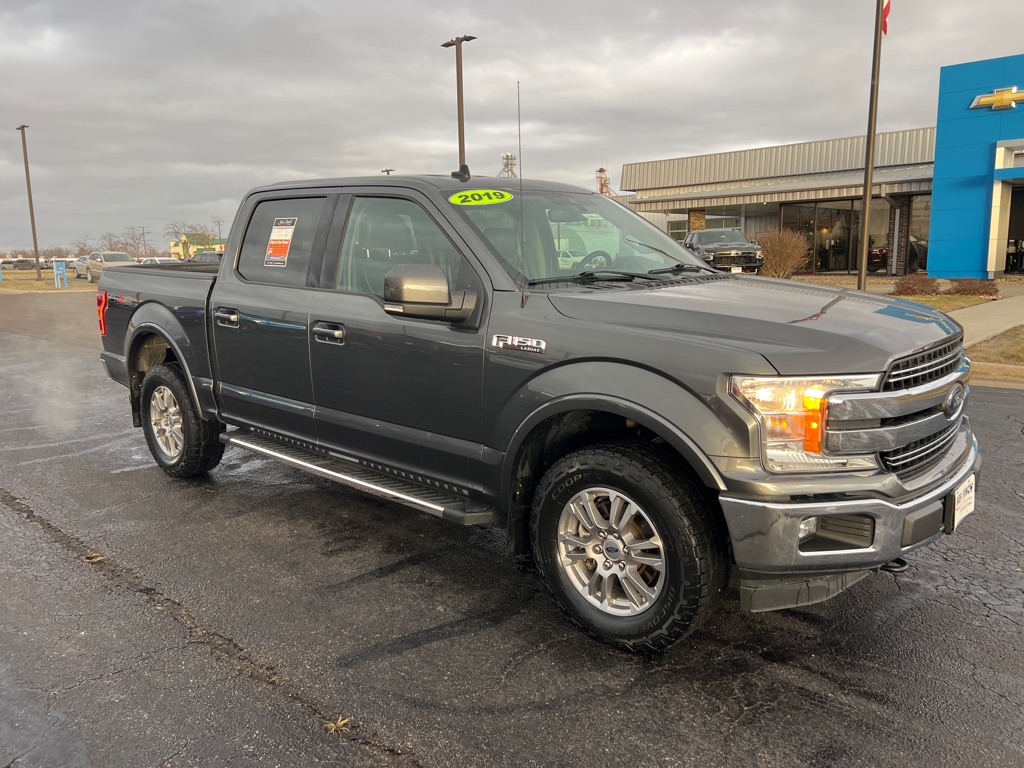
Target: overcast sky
point(142, 113)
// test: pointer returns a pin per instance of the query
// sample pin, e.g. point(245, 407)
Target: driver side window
point(385, 232)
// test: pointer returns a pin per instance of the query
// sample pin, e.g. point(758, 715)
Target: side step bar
point(443, 504)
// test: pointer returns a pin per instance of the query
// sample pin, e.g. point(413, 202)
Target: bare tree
point(196, 234)
point(111, 242)
point(81, 245)
point(134, 238)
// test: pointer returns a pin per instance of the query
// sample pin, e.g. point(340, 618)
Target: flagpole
point(869, 154)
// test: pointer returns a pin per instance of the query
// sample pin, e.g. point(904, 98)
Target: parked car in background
point(24, 262)
point(6, 262)
point(160, 260)
point(78, 266)
point(207, 257)
point(878, 258)
point(98, 260)
point(726, 249)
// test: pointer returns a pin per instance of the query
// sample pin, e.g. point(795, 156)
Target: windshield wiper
point(680, 267)
point(666, 254)
point(589, 276)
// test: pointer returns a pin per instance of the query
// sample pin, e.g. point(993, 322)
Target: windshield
point(541, 235)
point(726, 237)
point(116, 257)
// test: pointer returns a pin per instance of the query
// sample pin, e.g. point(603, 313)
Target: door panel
point(399, 391)
point(259, 316)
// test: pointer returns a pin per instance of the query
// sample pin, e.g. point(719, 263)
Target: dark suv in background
point(878, 258)
point(726, 249)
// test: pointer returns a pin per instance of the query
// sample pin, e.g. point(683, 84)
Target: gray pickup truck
point(645, 426)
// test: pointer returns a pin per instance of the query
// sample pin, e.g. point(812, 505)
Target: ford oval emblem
point(955, 400)
point(611, 549)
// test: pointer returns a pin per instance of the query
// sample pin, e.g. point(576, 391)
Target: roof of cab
point(437, 183)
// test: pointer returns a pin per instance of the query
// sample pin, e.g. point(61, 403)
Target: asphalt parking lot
point(146, 621)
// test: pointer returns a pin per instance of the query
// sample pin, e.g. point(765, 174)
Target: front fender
point(695, 425)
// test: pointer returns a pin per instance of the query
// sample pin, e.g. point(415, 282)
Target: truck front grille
point(920, 453)
point(914, 420)
point(924, 367)
point(734, 259)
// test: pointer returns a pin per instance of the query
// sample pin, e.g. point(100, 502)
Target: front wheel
point(182, 444)
point(627, 545)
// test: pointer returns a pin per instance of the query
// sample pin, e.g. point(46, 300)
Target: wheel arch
point(151, 343)
point(570, 422)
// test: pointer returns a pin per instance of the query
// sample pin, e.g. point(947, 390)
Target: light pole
point(463, 173)
point(31, 210)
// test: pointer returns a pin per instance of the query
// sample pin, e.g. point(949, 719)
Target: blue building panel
point(965, 156)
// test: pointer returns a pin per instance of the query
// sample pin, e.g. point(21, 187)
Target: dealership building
point(949, 199)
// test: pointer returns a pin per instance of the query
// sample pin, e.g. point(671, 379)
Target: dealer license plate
point(734, 270)
point(960, 503)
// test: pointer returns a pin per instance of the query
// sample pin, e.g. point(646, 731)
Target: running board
point(433, 501)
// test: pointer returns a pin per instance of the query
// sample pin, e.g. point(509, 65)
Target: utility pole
point(31, 210)
point(387, 171)
point(144, 249)
point(869, 151)
point(218, 221)
point(463, 173)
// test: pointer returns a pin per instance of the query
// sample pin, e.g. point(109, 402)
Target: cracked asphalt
point(147, 621)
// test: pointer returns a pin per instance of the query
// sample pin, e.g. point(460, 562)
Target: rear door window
point(278, 242)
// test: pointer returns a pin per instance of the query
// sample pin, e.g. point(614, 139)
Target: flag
point(885, 18)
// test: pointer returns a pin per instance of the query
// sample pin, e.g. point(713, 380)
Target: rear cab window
point(278, 242)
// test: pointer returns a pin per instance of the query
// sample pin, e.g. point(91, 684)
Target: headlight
point(792, 414)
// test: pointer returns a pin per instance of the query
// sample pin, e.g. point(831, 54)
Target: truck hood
point(798, 327)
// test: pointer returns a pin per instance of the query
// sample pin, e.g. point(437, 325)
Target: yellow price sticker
point(480, 197)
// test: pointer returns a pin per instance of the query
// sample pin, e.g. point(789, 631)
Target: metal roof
point(903, 179)
point(682, 175)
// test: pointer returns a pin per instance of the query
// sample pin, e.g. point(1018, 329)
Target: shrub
point(974, 287)
point(916, 284)
point(785, 251)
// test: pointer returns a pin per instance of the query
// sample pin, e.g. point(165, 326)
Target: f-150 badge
point(523, 344)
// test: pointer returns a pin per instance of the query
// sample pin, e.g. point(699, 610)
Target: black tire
point(88, 276)
point(183, 444)
point(692, 561)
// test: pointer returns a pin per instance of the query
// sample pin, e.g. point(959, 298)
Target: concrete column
point(899, 242)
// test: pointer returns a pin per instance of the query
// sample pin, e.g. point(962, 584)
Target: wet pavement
point(158, 622)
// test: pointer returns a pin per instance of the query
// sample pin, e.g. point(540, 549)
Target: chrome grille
point(924, 367)
point(734, 259)
point(919, 453)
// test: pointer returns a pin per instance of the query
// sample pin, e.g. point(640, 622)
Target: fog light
point(808, 527)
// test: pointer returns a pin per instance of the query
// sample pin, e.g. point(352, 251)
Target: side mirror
point(421, 291)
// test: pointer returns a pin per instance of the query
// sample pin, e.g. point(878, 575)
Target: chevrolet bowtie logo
point(1000, 98)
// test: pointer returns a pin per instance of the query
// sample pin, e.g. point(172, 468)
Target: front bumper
point(777, 572)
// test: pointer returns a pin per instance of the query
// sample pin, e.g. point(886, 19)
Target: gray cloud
point(144, 113)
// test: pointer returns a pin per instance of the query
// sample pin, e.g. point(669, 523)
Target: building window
point(678, 229)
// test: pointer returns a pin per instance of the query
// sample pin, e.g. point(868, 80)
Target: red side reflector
point(101, 311)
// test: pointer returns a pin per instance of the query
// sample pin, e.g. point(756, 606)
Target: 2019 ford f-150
point(644, 425)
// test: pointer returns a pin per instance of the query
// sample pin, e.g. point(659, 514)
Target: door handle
point(329, 333)
point(226, 317)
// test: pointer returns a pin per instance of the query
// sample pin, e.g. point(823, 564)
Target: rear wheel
point(627, 546)
point(88, 276)
point(181, 443)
